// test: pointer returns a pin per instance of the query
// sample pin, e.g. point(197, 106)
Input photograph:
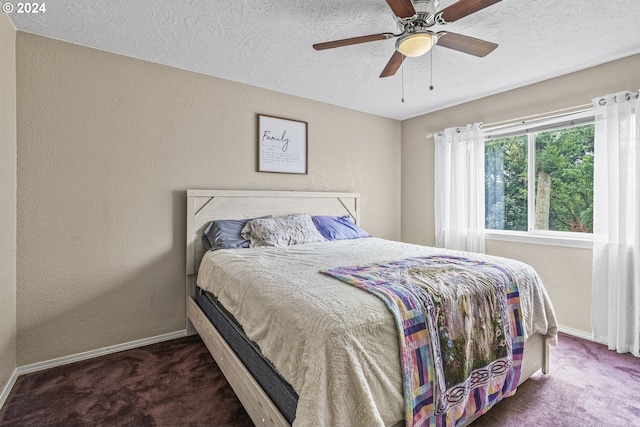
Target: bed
point(282, 376)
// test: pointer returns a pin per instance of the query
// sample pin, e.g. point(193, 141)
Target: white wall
point(566, 272)
point(108, 145)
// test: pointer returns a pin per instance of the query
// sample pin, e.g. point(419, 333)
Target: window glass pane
point(564, 179)
point(506, 183)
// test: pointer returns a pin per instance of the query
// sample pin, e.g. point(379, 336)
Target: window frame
point(530, 129)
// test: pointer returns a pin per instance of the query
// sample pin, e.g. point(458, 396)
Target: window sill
point(584, 241)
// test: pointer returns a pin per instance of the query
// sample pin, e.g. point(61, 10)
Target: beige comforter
point(335, 344)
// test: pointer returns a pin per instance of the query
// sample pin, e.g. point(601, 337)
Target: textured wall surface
point(566, 271)
point(7, 200)
point(108, 146)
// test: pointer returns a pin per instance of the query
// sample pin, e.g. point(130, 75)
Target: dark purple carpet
point(173, 383)
point(588, 386)
point(177, 383)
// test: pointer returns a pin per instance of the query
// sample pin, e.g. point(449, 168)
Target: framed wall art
point(282, 145)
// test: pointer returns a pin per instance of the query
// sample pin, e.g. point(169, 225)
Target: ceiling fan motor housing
point(425, 6)
point(424, 18)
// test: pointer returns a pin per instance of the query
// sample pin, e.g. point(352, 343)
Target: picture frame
point(282, 145)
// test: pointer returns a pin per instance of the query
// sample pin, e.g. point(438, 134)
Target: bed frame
point(206, 205)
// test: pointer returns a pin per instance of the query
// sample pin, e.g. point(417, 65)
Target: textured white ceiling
point(268, 44)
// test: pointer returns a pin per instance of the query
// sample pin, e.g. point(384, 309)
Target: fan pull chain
point(402, 78)
point(431, 67)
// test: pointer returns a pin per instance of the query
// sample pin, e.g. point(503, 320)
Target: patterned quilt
point(460, 327)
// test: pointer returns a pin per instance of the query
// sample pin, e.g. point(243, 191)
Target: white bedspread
point(335, 344)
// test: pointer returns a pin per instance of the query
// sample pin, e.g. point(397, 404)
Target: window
point(506, 198)
point(541, 179)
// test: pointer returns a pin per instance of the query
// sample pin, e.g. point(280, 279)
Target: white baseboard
point(34, 367)
point(7, 388)
point(576, 333)
point(99, 352)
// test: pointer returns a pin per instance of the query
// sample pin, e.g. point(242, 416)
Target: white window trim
point(540, 237)
point(531, 182)
point(551, 238)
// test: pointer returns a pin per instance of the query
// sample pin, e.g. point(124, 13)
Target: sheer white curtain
point(459, 192)
point(616, 222)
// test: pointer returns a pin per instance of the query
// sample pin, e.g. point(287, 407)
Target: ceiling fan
point(415, 18)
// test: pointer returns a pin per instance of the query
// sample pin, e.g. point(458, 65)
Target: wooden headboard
point(203, 206)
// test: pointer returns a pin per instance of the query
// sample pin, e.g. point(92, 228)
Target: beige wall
point(566, 272)
point(7, 200)
point(107, 146)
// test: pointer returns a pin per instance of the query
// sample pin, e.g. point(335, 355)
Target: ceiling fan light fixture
point(416, 44)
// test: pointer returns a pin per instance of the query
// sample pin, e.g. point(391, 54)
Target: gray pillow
point(225, 234)
point(281, 231)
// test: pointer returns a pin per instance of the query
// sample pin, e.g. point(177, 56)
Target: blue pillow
point(225, 234)
point(338, 228)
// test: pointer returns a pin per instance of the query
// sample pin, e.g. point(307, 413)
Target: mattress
point(336, 345)
point(279, 391)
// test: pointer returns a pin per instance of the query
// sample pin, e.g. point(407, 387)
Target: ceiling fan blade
point(402, 8)
point(392, 66)
point(353, 40)
point(463, 8)
point(465, 44)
